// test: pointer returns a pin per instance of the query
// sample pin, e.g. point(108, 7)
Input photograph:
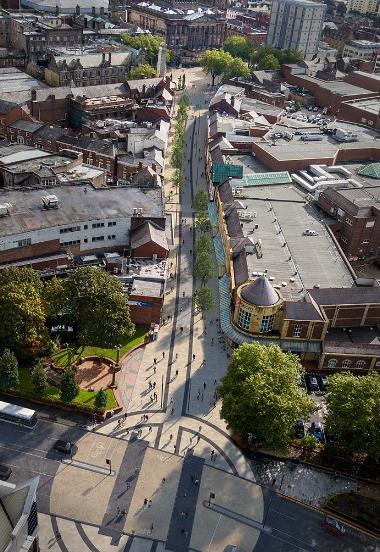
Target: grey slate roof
point(302, 310)
point(260, 292)
point(346, 296)
point(28, 126)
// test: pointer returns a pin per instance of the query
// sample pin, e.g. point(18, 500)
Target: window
point(360, 364)
point(112, 237)
point(85, 240)
point(72, 242)
point(346, 364)
point(111, 224)
point(364, 242)
point(69, 229)
point(343, 239)
point(267, 322)
point(24, 243)
point(244, 319)
point(297, 330)
point(85, 227)
point(331, 363)
point(348, 221)
point(98, 225)
point(98, 238)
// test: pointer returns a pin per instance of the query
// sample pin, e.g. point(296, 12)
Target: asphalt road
point(290, 527)
point(30, 452)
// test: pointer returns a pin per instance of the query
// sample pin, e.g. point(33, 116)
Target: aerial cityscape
point(190, 276)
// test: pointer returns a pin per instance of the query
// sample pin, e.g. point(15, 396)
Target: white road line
point(216, 527)
point(281, 514)
point(29, 453)
point(28, 469)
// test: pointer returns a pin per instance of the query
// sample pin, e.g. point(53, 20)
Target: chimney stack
point(102, 11)
point(109, 57)
point(103, 57)
point(93, 11)
point(77, 9)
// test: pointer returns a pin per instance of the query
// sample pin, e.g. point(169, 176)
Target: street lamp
point(117, 347)
point(108, 461)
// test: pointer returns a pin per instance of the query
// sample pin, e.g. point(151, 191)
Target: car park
point(5, 472)
point(63, 446)
point(333, 526)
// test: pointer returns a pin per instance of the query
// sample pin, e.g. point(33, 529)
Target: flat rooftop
point(370, 105)
point(282, 215)
point(12, 79)
point(340, 88)
point(76, 204)
point(325, 148)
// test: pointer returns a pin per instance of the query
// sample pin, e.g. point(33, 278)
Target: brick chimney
point(77, 9)
point(102, 11)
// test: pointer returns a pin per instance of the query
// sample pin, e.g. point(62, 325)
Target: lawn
point(61, 357)
point(84, 398)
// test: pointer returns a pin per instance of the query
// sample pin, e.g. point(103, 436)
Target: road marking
point(28, 469)
point(26, 447)
point(216, 527)
point(30, 454)
point(281, 514)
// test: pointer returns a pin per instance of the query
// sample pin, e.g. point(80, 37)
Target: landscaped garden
point(61, 357)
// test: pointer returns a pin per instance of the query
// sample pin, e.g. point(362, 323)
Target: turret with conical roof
point(258, 306)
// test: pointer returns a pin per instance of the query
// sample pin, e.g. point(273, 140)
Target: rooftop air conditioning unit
point(50, 201)
point(5, 209)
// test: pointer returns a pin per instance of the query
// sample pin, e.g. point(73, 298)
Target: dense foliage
point(261, 395)
point(353, 412)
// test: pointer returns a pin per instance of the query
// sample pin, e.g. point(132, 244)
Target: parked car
point(63, 446)
point(322, 382)
point(5, 472)
point(315, 109)
point(313, 383)
point(333, 526)
point(299, 429)
point(317, 430)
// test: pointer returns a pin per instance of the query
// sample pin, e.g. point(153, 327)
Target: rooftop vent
point(50, 201)
point(5, 209)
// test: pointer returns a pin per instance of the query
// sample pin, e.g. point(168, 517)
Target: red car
point(332, 526)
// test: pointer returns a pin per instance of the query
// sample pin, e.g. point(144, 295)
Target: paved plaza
point(176, 481)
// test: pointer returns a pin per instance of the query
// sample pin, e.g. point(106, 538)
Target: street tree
point(215, 63)
point(22, 328)
point(204, 244)
point(353, 412)
point(204, 299)
point(22, 275)
point(238, 46)
point(202, 267)
point(144, 71)
point(98, 307)
point(201, 200)
point(261, 395)
point(39, 379)
point(178, 178)
point(8, 370)
point(54, 297)
point(237, 68)
point(202, 221)
point(69, 388)
point(100, 399)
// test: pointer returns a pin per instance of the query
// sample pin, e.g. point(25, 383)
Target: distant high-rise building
point(296, 24)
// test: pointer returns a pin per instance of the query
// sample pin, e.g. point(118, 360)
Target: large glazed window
point(267, 322)
point(244, 319)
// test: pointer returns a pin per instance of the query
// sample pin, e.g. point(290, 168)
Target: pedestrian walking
point(150, 429)
point(198, 395)
point(199, 429)
point(171, 437)
point(154, 385)
point(151, 398)
point(176, 373)
point(150, 385)
point(163, 354)
point(193, 357)
point(215, 457)
point(58, 536)
point(173, 410)
point(176, 356)
point(155, 361)
point(145, 502)
point(163, 480)
point(183, 294)
point(204, 385)
point(191, 251)
point(155, 396)
point(181, 328)
point(154, 369)
point(151, 527)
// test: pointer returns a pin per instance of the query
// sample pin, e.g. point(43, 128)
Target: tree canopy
point(69, 387)
point(204, 244)
point(92, 301)
point(215, 63)
point(237, 68)
point(39, 379)
point(261, 395)
point(100, 399)
point(353, 412)
point(204, 299)
point(23, 317)
point(270, 58)
point(8, 370)
point(149, 43)
point(269, 62)
point(202, 267)
point(238, 46)
point(144, 71)
point(201, 200)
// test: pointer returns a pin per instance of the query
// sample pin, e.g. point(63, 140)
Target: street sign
point(221, 171)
